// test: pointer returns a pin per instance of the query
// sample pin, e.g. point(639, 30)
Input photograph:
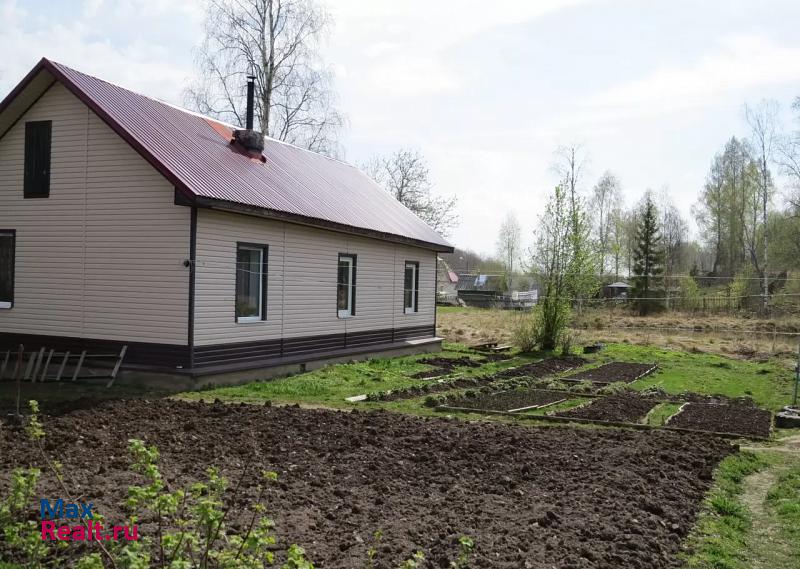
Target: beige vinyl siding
point(102, 257)
point(215, 278)
point(301, 282)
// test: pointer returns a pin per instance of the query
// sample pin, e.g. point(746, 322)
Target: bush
point(526, 331)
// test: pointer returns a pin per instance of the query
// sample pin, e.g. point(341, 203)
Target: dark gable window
point(38, 136)
point(251, 282)
point(411, 287)
point(346, 286)
point(6, 268)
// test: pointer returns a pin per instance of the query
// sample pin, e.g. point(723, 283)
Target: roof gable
point(194, 153)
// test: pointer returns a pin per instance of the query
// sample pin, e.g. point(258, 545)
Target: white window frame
point(414, 268)
point(260, 316)
point(347, 312)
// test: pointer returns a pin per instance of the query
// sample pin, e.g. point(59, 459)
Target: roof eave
point(235, 207)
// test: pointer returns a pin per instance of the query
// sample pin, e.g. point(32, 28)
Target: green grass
point(331, 385)
point(719, 540)
point(784, 500)
point(768, 383)
point(660, 413)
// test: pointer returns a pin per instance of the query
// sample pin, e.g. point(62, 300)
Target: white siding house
point(127, 221)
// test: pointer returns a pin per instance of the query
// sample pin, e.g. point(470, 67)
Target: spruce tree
point(648, 256)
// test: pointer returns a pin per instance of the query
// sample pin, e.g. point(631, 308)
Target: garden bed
point(445, 366)
point(735, 419)
point(613, 372)
point(508, 400)
point(557, 497)
point(623, 408)
point(540, 369)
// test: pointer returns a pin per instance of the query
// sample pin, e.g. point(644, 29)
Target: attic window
point(38, 136)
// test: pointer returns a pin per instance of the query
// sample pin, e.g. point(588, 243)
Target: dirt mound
point(444, 366)
point(536, 498)
point(624, 408)
point(736, 419)
point(508, 400)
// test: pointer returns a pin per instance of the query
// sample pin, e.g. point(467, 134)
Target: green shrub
point(526, 331)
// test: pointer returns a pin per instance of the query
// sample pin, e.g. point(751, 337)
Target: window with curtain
point(346, 286)
point(411, 287)
point(251, 282)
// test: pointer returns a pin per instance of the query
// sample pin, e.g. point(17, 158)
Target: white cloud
point(739, 64)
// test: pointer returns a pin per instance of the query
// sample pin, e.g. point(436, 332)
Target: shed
point(125, 220)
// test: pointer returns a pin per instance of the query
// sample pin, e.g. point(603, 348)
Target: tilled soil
point(535, 498)
point(508, 400)
point(624, 408)
point(736, 419)
point(613, 372)
point(540, 369)
point(444, 366)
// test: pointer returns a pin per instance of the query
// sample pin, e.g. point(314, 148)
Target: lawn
point(767, 383)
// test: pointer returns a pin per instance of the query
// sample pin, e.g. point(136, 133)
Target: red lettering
point(64, 532)
point(134, 535)
point(48, 529)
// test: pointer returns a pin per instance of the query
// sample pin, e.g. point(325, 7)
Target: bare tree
point(405, 175)
point(569, 164)
point(605, 199)
point(278, 42)
point(509, 244)
point(764, 137)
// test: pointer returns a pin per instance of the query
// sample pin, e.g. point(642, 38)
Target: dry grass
point(741, 337)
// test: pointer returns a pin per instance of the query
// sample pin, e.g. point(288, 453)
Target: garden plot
point(623, 408)
point(540, 369)
point(445, 366)
point(735, 419)
point(613, 372)
point(538, 498)
point(509, 401)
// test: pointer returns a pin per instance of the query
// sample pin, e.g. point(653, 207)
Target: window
point(411, 287)
point(251, 282)
point(37, 159)
point(346, 287)
point(6, 268)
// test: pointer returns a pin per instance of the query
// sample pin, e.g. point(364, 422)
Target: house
point(212, 252)
point(616, 290)
point(446, 281)
point(480, 290)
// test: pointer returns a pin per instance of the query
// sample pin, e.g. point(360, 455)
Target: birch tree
point(605, 199)
point(764, 137)
point(406, 176)
point(508, 245)
point(278, 42)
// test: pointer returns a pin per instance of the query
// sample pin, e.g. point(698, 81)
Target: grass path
point(767, 542)
point(767, 546)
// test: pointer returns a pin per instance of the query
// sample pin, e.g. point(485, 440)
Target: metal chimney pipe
point(250, 95)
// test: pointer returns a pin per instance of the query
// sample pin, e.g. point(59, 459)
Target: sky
point(486, 91)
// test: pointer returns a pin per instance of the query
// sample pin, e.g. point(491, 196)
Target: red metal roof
point(195, 154)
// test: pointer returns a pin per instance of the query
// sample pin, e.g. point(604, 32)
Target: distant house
point(446, 281)
point(616, 290)
point(206, 249)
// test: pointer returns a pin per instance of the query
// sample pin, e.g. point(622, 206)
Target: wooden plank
point(63, 365)
point(78, 367)
point(116, 366)
point(5, 363)
point(39, 359)
point(47, 365)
